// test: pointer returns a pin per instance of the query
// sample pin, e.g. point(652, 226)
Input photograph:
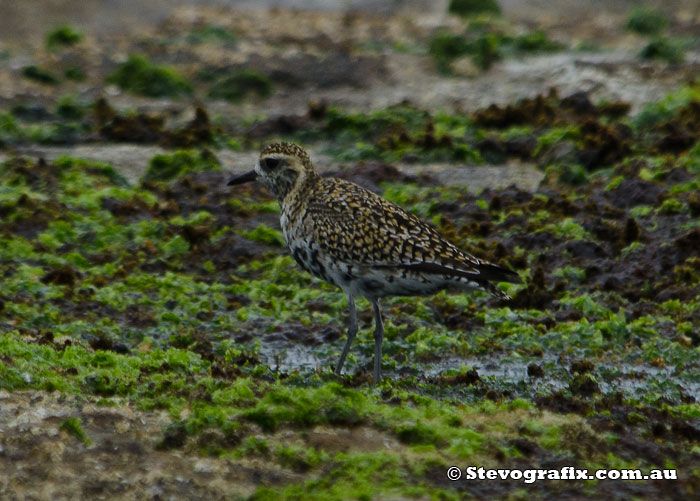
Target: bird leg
point(352, 331)
point(378, 339)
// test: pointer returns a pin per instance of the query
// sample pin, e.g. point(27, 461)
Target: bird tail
point(489, 287)
point(481, 274)
point(496, 273)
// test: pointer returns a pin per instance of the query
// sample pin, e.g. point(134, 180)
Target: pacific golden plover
point(367, 246)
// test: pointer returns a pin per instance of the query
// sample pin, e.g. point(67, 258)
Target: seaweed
point(646, 21)
point(664, 49)
point(469, 8)
point(236, 87)
point(167, 167)
point(140, 76)
point(63, 36)
point(39, 75)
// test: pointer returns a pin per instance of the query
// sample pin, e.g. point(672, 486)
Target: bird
point(368, 246)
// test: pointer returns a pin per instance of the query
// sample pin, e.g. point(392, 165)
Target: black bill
point(243, 178)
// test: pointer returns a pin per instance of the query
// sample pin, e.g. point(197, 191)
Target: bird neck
point(299, 188)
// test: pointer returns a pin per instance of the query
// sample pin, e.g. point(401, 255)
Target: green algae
point(567, 228)
point(281, 301)
point(469, 8)
point(485, 46)
point(483, 50)
point(445, 47)
point(14, 131)
point(74, 73)
point(166, 167)
point(536, 41)
point(211, 34)
point(39, 75)
point(646, 21)
point(421, 200)
point(140, 76)
point(667, 107)
point(570, 273)
point(74, 427)
point(673, 206)
point(76, 369)
point(149, 377)
point(556, 135)
point(236, 87)
point(69, 108)
point(107, 296)
point(63, 36)
point(266, 235)
point(9, 128)
point(664, 49)
point(398, 132)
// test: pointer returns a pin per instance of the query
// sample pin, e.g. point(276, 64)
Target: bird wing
point(355, 226)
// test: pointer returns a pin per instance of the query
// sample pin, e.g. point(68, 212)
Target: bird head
point(282, 168)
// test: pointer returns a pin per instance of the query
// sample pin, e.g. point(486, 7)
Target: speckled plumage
point(364, 244)
point(370, 235)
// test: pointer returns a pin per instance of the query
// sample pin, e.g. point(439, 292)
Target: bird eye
point(270, 163)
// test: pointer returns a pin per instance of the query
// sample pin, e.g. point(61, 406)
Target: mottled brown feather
point(354, 225)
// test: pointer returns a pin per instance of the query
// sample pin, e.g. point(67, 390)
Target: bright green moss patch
point(77, 369)
point(614, 183)
point(245, 206)
point(395, 133)
point(570, 273)
point(672, 206)
point(668, 106)
point(567, 228)
point(353, 476)
point(417, 434)
point(388, 474)
point(330, 404)
point(74, 169)
point(266, 235)
point(556, 135)
point(177, 380)
point(299, 458)
point(166, 167)
point(140, 76)
point(74, 427)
